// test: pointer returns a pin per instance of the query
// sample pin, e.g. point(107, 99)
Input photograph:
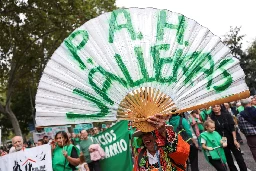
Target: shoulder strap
point(180, 127)
point(140, 155)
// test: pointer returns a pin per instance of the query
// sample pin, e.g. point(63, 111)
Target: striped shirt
point(246, 127)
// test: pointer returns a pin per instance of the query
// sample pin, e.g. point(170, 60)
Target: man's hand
point(237, 144)
point(157, 121)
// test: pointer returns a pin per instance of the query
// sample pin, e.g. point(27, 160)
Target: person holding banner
point(163, 148)
point(65, 156)
point(17, 143)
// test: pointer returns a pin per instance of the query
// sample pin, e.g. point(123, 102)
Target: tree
point(250, 65)
point(233, 40)
point(30, 32)
point(247, 58)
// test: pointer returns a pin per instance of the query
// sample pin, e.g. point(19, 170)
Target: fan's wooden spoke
point(155, 96)
point(142, 103)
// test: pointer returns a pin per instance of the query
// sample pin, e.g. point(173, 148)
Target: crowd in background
point(225, 122)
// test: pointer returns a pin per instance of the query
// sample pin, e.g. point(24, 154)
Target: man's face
point(46, 139)
point(84, 134)
point(149, 141)
point(17, 142)
point(253, 102)
point(96, 130)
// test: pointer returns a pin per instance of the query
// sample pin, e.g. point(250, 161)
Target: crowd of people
point(70, 151)
point(214, 131)
point(174, 144)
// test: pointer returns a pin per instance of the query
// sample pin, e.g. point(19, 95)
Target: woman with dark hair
point(225, 126)
point(65, 156)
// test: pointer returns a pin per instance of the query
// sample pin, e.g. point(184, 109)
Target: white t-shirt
point(81, 167)
point(203, 141)
point(152, 159)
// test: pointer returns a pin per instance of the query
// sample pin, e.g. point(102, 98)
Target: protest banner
point(31, 159)
point(37, 135)
point(80, 127)
point(115, 142)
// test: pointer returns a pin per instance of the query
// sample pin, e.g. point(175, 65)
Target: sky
point(217, 15)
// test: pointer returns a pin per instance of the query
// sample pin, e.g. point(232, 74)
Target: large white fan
point(133, 63)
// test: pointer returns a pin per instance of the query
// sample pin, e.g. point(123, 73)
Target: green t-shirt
point(240, 109)
point(59, 162)
point(84, 147)
point(213, 139)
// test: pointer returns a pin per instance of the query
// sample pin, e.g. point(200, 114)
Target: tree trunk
point(14, 121)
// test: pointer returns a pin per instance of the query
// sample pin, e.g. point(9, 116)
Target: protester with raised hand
point(161, 150)
point(65, 156)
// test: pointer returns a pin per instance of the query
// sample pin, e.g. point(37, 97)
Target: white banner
point(37, 136)
point(32, 159)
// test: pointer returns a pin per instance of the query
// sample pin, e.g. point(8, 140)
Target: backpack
point(182, 132)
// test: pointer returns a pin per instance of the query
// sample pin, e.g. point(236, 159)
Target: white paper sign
point(32, 159)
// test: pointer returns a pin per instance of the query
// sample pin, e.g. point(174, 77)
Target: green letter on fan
point(114, 26)
point(162, 24)
point(74, 49)
point(104, 110)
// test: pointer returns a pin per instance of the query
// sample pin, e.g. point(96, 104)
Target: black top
point(73, 155)
point(224, 124)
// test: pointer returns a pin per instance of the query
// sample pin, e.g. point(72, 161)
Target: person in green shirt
point(212, 146)
point(85, 143)
point(65, 156)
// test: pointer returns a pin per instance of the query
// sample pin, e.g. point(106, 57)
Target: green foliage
point(234, 41)
point(30, 32)
point(250, 66)
point(247, 58)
